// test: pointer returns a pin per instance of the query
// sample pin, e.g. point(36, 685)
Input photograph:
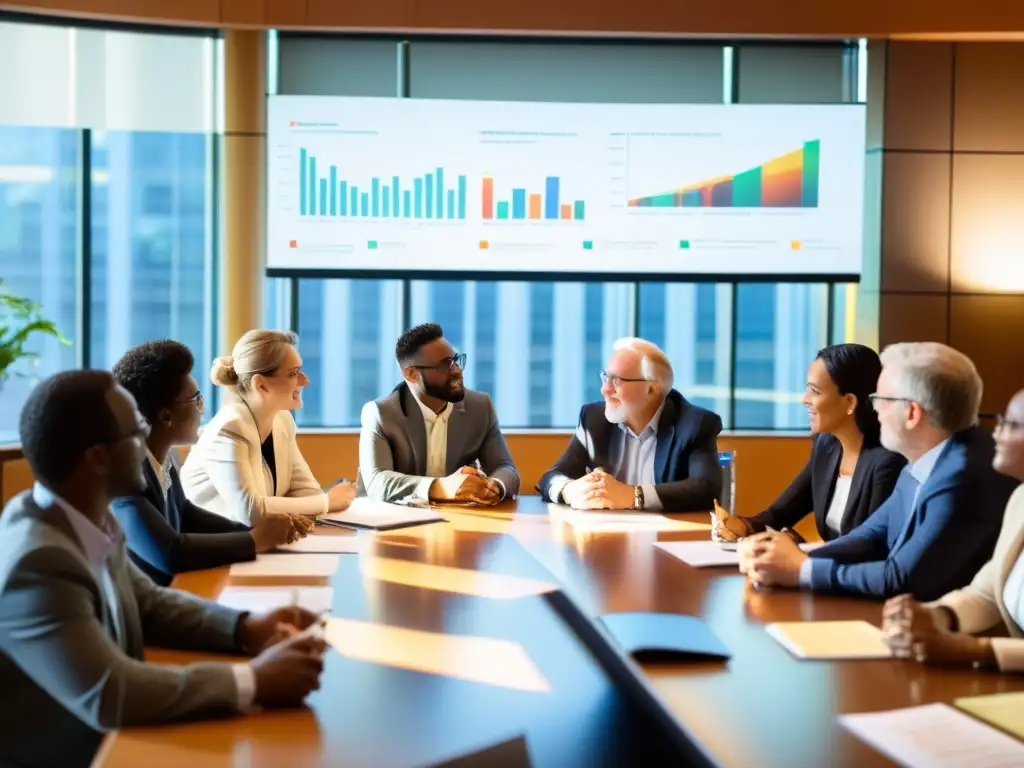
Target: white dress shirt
point(99, 542)
point(837, 507)
point(160, 470)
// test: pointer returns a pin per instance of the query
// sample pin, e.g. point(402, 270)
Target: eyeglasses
point(197, 398)
point(1008, 424)
point(616, 381)
point(875, 399)
point(446, 365)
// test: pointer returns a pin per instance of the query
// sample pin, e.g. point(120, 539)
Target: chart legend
point(788, 181)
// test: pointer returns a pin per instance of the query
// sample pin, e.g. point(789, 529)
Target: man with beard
point(941, 522)
point(645, 447)
point(432, 439)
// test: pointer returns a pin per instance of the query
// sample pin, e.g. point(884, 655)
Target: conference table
point(482, 633)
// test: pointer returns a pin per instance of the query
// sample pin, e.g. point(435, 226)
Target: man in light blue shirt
point(942, 520)
point(643, 447)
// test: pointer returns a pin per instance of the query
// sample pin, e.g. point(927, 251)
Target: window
point(103, 100)
point(40, 231)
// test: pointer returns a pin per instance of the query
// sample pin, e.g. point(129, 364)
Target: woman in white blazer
point(942, 632)
point(247, 463)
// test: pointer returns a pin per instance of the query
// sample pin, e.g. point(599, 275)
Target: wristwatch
point(638, 497)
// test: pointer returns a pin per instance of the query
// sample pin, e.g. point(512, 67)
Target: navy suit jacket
point(687, 475)
point(952, 531)
point(168, 538)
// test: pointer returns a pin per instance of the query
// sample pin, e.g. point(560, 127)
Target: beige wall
point(764, 465)
point(946, 153)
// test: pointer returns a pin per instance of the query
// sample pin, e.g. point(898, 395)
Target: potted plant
point(20, 320)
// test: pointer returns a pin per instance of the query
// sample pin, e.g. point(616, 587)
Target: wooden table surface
point(761, 708)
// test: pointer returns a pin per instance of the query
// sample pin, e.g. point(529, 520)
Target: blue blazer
point(952, 529)
point(168, 538)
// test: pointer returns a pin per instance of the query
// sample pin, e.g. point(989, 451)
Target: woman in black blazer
point(165, 532)
point(849, 474)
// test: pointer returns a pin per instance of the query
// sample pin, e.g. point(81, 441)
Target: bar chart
point(530, 206)
point(328, 193)
point(786, 181)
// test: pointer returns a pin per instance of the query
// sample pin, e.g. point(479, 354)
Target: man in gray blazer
point(75, 612)
point(431, 438)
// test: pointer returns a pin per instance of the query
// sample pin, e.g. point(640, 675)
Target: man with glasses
point(941, 522)
point(76, 614)
point(643, 447)
point(166, 533)
point(432, 439)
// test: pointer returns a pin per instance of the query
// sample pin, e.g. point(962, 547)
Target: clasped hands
point(598, 490)
point(771, 559)
point(466, 484)
point(288, 645)
point(920, 632)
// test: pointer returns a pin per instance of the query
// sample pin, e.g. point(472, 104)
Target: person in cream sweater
point(942, 632)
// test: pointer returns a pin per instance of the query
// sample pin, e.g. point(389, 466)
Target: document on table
point(381, 516)
point(288, 564)
point(708, 554)
point(830, 640)
point(261, 599)
point(619, 522)
point(1003, 710)
point(935, 736)
point(339, 544)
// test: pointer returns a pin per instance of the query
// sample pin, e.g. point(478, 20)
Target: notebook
point(380, 516)
point(935, 736)
point(288, 564)
point(339, 544)
point(260, 599)
point(1003, 710)
point(709, 554)
point(664, 636)
point(830, 640)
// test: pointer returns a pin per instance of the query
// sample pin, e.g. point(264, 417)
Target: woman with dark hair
point(165, 532)
point(849, 473)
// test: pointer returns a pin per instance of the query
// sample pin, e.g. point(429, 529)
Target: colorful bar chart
point(787, 181)
point(424, 197)
point(530, 206)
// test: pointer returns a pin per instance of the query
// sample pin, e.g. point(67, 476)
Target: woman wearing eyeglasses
point(849, 473)
point(247, 463)
point(941, 633)
point(167, 534)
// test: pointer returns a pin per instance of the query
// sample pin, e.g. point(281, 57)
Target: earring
point(849, 412)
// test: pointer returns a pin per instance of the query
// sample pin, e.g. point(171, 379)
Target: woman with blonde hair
point(247, 463)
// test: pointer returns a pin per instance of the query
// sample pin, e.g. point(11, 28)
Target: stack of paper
point(619, 522)
point(262, 599)
point(339, 544)
point(288, 564)
point(380, 516)
point(935, 736)
point(830, 640)
point(1003, 710)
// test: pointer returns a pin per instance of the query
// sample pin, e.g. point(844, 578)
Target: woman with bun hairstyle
point(247, 463)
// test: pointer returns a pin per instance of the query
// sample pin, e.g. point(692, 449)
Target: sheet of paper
point(835, 640)
point(1003, 710)
point(367, 513)
point(619, 522)
point(288, 564)
point(708, 554)
point(461, 581)
point(341, 544)
point(261, 599)
point(935, 736)
point(477, 659)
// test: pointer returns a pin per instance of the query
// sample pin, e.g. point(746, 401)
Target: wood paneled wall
point(868, 18)
point(946, 132)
